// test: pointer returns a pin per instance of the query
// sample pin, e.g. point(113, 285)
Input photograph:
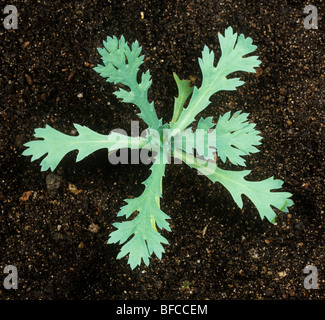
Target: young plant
point(231, 137)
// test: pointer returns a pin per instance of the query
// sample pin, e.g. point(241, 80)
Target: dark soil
point(56, 236)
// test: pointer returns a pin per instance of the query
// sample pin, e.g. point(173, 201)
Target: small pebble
point(53, 183)
point(73, 189)
point(93, 227)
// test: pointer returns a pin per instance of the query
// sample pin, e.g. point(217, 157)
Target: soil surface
point(54, 226)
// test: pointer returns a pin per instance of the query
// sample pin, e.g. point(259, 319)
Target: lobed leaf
point(121, 66)
point(214, 79)
point(233, 137)
point(139, 235)
point(55, 145)
point(259, 192)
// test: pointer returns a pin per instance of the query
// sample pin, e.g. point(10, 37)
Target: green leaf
point(139, 235)
point(204, 139)
point(184, 91)
point(233, 137)
point(121, 65)
point(205, 123)
point(56, 144)
point(259, 192)
point(233, 50)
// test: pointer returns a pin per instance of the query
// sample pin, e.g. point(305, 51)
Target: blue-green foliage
point(231, 138)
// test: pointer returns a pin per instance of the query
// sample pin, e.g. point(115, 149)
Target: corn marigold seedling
point(231, 138)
